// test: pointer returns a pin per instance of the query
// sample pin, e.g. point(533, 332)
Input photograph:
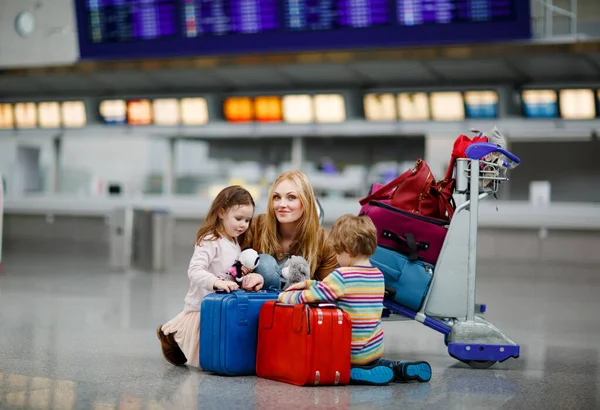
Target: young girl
point(215, 250)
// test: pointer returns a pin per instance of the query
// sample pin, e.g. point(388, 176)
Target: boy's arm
point(329, 290)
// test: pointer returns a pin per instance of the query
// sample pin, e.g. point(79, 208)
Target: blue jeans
point(269, 270)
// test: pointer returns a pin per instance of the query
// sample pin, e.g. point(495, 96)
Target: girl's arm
point(201, 260)
point(329, 290)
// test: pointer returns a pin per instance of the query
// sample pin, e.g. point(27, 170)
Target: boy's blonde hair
point(355, 235)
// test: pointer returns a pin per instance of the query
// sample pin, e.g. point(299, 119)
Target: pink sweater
point(210, 261)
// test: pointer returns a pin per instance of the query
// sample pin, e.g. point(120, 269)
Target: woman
point(290, 227)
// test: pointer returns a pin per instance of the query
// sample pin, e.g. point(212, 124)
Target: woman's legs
point(269, 270)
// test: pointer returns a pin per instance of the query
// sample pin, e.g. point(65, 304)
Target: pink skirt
point(186, 329)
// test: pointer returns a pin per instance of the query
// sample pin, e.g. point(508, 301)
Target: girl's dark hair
point(229, 197)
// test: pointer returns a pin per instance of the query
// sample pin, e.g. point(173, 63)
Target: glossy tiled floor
point(74, 335)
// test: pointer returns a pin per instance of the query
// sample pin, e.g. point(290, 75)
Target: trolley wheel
point(480, 364)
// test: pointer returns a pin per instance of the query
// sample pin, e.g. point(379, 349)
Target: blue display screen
point(159, 28)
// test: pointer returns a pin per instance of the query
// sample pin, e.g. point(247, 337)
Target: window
point(481, 104)
point(7, 119)
point(73, 114)
point(113, 111)
point(49, 114)
point(238, 109)
point(165, 111)
point(194, 111)
point(298, 109)
point(139, 112)
point(540, 103)
point(380, 107)
point(413, 106)
point(25, 115)
point(577, 104)
point(329, 108)
point(447, 106)
point(268, 109)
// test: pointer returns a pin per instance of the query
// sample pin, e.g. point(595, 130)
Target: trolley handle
point(479, 150)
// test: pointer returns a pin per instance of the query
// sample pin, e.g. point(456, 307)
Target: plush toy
point(249, 259)
point(296, 270)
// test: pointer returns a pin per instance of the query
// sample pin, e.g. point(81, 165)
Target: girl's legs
point(269, 270)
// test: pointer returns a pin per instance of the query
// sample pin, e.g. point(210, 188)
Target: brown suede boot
point(170, 348)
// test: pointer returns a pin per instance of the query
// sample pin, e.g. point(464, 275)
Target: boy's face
point(344, 259)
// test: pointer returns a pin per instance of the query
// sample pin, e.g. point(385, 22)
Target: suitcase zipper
point(434, 221)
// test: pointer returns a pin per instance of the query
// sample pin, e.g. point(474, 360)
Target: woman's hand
point(225, 285)
point(297, 286)
point(253, 282)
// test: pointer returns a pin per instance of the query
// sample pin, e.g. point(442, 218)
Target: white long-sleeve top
point(211, 261)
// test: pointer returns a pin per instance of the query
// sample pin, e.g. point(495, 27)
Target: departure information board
point(155, 28)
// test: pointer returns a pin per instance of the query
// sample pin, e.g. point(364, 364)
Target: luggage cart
point(449, 306)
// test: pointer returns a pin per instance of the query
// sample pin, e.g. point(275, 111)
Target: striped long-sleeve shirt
point(359, 291)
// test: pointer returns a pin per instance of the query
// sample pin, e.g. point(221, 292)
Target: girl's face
point(286, 202)
point(236, 220)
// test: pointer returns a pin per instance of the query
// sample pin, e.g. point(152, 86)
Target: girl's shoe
point(375, 374)
point(170, 348)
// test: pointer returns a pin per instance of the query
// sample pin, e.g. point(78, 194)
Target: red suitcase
point(304, 344)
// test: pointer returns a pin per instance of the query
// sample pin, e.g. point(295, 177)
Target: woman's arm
point(327, 259)
point(329, 290)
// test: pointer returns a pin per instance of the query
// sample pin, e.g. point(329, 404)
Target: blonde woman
point(289, 227)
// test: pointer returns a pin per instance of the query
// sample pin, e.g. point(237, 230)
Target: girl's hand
point(225, 285)
point(297, 286)
point(253, 282)
point(245, 270)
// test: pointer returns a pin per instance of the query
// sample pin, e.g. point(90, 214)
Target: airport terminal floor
point(75, 335)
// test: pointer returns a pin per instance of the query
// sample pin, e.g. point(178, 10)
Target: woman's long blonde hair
point(308, 226)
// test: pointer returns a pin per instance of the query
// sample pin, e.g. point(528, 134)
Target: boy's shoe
point(409, 371)
point(170, 348)
point(375, 374)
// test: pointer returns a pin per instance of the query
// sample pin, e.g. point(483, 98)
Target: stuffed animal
point(249, 259)
point(296, 270)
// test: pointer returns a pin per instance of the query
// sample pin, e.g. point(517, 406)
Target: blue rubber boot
point(374, 374)
point(409, 371)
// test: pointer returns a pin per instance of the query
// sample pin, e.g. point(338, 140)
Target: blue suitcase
point(229, 331)
point(406, 282)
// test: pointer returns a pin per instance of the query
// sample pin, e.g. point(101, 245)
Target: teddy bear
point(248, 258)
point(296, 270)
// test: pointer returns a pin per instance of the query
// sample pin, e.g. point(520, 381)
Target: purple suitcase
point(417, 236)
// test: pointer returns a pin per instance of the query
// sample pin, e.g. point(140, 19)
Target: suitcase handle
point(298, 313)
point(408, 240)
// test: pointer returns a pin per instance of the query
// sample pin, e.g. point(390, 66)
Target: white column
point(169, 174)
point(297, 152)
point(54, 180)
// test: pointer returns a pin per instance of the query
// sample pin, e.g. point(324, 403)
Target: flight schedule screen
point(134, 28)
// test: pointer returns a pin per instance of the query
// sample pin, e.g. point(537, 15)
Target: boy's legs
point(408, 371)
point(269, 270)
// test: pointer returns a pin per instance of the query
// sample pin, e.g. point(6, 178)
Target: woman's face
point(286, 202)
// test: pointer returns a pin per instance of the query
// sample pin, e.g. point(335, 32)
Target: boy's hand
point(297, 286)
point(225, 285)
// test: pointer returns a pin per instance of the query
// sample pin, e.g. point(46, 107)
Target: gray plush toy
point(296, 270)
